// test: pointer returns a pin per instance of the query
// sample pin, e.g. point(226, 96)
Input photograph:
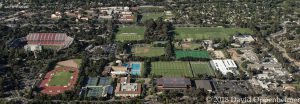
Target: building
point(205, 84)
point(224, 66)
point(61, 40)
point(119, 70)
point(241, 39)
point(33, 48)
point(127, 89)
point(57, 15)
point(176, 83)
point(126, 18)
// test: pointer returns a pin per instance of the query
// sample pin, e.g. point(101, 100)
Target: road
point(282, 49)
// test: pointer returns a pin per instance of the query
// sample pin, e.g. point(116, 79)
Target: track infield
point(61, 79)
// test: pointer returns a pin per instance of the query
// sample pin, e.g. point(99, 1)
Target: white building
point(33, 47)
point(244, 39)
point(224, 66)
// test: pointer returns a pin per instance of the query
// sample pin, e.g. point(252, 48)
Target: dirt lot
point(68, 63)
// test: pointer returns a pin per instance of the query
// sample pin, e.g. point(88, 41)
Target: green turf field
point(171, 69)
point(208, 32)
point(130, 33)
point(201, 68)
point(148, 51)
point(147, 16)
point(193, 53)
point(61, 78)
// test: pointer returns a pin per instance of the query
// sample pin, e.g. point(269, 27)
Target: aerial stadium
point(54, 40)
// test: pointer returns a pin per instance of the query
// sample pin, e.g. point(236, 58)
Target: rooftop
point(173, 82)
point(128, 88)
point(206, 84)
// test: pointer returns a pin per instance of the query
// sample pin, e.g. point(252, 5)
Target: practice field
point(171, 69)
point(194, 54)
point(201, 68)
point(61, 78)
point(187, 46)
point(208, 32)
point(130, 33)
point(147, 16)
point(148, 51)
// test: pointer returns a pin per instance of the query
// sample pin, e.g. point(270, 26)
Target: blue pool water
point(125, 64)
point(135, 68)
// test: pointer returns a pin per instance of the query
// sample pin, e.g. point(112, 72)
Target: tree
point(230, 76)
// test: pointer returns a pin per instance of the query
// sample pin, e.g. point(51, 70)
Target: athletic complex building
point(61, 40)
point(224, 66)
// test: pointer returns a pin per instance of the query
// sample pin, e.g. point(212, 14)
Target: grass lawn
point(130, 33)
point(202, 68)
point(171, 69)
point(147, 16)
point(61, 78)
point(193, 53)
point(148, 51)
point(78, 62)
point(187, 46)
point(208, 32)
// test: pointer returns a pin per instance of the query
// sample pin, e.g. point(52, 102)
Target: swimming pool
point(135, 68)
point(125, 64)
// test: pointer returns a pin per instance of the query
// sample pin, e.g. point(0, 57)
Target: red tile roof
point(46, 38)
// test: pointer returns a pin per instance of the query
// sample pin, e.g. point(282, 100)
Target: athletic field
point(147, 16)
point(202, 68)
point(148, 51)
point(208, 32)
point(193, 53)
point(187, 46)
point(181, 69)
point(171, 69)
point(129, 33)
point(61, 78)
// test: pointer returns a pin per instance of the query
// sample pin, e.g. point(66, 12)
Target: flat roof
point(224, 65)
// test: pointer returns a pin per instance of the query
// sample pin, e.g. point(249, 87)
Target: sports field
point(193, 53)
point(129, 33)
point(187, 46)
point(171, 69)
point(148, 51)
point(208, 32)
point(61, 78)
point(201, 68)
point(147, 16)
point(181, 69)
